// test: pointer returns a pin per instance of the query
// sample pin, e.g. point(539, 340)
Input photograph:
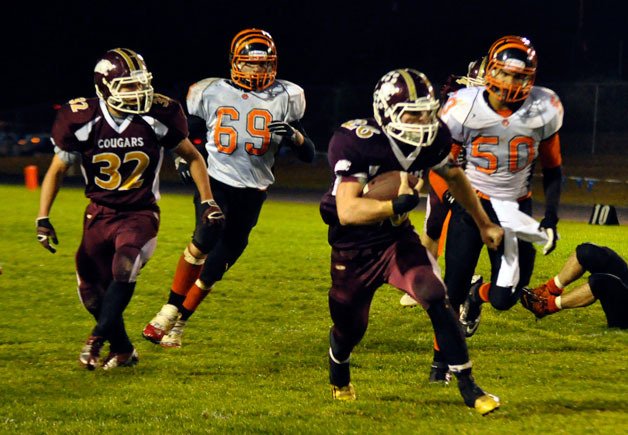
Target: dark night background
point(49, 51)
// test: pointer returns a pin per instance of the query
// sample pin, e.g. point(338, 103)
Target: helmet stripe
point(129, 57)
point(409, 83)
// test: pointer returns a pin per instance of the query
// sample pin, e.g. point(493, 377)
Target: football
point(386, 186)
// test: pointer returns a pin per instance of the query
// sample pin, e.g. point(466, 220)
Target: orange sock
point(194, 297)
point(553, 288)
point(483, 291)
point(185, 275)
point(436, 348)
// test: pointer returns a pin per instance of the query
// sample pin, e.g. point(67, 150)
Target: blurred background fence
point(596, 118)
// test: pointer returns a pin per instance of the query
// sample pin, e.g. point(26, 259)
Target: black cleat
point(476, 398)
point(471, 311)
point(439, 373)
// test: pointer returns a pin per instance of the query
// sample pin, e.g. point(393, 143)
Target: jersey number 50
point(521, 153)
point(226, 136)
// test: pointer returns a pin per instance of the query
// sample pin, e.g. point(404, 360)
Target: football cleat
point(439, 373)
point(90, 354)
point(173, 338)
point(471, 311)
point(476, 398)
point(408, 301)
point(114, 360)
point(161, 324)
point(539, 301)
point(346, 393)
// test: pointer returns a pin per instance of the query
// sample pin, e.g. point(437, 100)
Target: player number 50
point(521, 153)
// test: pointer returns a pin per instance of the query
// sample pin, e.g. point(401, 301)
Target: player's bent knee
point(503, 298)
point(205, 237)
point(429, 290)
point(126, 264)
point(193, 255)
point(594, 258)
point(603, 284)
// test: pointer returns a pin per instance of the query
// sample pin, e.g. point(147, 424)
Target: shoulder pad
point(195, 94)
point(459, 104)
point(296, 100)
point(163, 101)
point(543, 109)
point(360, 128)
point(79, 109)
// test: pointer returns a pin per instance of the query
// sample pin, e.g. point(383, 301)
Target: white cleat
point(161, 324)
point(173, 338)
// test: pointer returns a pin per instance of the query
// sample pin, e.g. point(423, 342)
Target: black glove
point(184, 170)
point(404, 203)
point(46, 234)
point(283, 129)
point(548, 224)
point(211, 214)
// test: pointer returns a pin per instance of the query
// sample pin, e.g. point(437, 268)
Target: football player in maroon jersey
point(119, 139)
point(373, 241)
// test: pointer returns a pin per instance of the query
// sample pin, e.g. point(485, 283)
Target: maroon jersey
point(359, 151)
point(120, 158)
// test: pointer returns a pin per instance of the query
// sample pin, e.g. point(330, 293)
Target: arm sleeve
point(306, 151)
point(551, 162)
point(549, 152)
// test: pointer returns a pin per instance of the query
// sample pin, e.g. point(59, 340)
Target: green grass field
point(254, 356)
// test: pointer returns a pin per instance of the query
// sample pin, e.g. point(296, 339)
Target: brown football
point(386, 186)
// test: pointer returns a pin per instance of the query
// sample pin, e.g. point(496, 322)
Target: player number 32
point(111, 170)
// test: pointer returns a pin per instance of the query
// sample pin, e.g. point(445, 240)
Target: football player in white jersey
point(503, 128)
point(248, 119)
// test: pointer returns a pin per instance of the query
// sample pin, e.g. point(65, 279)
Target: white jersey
point(240, 147)
point(500, 150)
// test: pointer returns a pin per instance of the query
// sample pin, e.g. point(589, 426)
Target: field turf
point(254, 358)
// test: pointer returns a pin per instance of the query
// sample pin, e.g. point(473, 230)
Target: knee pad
point(127, 263)
point(206, 236)
point(191, 259)
point(503, 298)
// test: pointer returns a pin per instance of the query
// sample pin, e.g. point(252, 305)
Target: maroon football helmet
point(515, 55)
point(123, 81)
point(253, 46)
point(476, 73)
point(406, 91)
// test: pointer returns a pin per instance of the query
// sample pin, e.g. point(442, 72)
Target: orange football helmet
point(253, 46)
point(513, 54)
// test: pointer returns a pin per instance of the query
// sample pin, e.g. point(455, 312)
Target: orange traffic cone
point(31, 177)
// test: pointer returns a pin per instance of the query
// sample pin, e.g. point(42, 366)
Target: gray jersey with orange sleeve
point(501, 150)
